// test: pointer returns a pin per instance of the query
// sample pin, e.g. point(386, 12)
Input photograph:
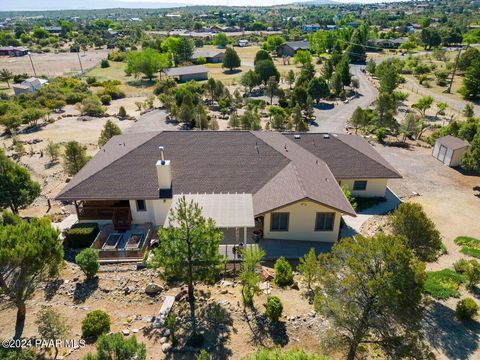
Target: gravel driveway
point(448, 196)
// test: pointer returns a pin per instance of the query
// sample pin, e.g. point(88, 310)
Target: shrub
point(277, 354)
point(113, 90)
point(104, 64)
point(82, 235)
point(106, 99)
point(443, 284)
point(466, 309)
point(122, 113)
point(381, 134)
point(273, 308)
point(470, 246)
point(87, 260)
point(461, 266)
point(91, 80)
point(117, 56)
point(96, 323)
point(283, 272)
point(92, 106)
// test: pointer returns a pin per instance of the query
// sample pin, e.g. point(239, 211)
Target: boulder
point(166, 347)
point(153, 289)
point(267, 274)
point(126, 332)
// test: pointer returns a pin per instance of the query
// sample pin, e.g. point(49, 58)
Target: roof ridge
point(109, 164)
point(361, 152)
point(299, 178)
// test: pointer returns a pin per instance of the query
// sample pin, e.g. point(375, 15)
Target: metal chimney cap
point(161, 148)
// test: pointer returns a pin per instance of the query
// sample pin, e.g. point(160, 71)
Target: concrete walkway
point(353, 224)
point(65, 223)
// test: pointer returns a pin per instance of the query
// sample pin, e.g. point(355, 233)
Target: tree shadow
point(456, 339)
point(324, 106)
point(278, 333)
point(140, 83)
point(467, 173)
point(231, 72)
point(51, 288)
point(84, 290)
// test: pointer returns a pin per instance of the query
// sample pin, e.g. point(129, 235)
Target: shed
point(187, 73)
point(449, 150)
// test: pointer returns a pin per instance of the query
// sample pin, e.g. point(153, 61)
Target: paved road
point(151, 121)
point(333, 119)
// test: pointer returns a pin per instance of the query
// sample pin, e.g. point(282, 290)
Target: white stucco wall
point(302, 223)
point(375, 187)
point(457, 156)
point(156, 211)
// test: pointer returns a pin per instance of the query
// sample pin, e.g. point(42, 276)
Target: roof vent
point(297, 136)
point(326, 136)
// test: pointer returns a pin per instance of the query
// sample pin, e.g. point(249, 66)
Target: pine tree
point(75, 157)
point(231, 59)
point(110, 129)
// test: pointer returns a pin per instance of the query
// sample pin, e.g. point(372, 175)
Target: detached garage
point(449, 150)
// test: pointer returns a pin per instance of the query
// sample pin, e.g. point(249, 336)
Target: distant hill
point(42, 5)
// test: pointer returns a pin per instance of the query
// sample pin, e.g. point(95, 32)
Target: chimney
point(164, 171)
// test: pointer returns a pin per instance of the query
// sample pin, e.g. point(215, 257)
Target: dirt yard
point(120, 291)
point(52, 64)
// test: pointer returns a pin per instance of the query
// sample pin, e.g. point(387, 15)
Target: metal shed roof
point(186, 70)
point(228, 210)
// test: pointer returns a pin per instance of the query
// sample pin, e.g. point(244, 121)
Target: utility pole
point(31, 62)
point(449, 89)
point(80, 61)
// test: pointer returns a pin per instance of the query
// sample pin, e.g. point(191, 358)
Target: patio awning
point(228, 210)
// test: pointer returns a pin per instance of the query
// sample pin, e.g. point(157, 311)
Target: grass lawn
point(443, 284)
point(116, 71)
point(470, 246)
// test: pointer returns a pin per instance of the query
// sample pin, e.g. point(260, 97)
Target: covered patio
point(232, 213)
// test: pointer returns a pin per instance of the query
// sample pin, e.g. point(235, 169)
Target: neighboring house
point(449, 150)
point(243, 43)
point(312, 27)
point(54, 29)
point(187, 73)
point(378, 44)
point(289, 48)
point(210, 56)
point(29, 85)
point(263, 187)
point(13, 51)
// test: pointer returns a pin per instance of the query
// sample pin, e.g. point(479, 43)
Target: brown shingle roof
point(209, 162)
point(347, 156)
point(452, 142)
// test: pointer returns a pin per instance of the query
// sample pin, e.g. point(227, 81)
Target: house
point(449, 150)
point(54, 29)
point(187, 73)
point(378, 44)
point(243, 43)
point(289, 48)
point(210, 56)
point(311, 27)
point(13, 51)
point(29, 85)
point(282, 191)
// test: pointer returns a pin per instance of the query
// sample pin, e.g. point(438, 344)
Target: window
point(279, 222)
point(141, 205)
point(324, 221)
point(360, 185)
